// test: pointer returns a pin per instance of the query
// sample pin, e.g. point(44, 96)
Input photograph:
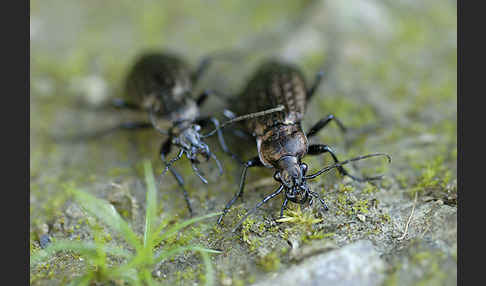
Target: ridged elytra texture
point(278, 134)
point(274, 83)
point(163, 82)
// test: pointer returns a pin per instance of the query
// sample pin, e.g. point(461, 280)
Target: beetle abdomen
point(160, 81)
point(274, 83)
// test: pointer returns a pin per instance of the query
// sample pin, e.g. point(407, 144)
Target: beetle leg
point(323, 203)
point(266, 199)
point(202, 98)
point(204, 121)
point(323, 122)
point(254, 162)
point(201, 69)
point(283, 207)
point(315, 85)
point(164, 150)
point(198, 172)
point(317, 149)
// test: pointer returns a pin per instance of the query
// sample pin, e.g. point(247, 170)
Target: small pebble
point(361, 217)
point(44, 240)
point(42, 229)
point(226, 281)
point(157, 273)
point(74, 212)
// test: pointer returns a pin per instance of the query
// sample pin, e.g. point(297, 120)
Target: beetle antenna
point(246, 116)
point(339, 164)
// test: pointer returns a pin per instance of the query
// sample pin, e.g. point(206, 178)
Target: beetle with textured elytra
point(161, 84)
point(281, 142)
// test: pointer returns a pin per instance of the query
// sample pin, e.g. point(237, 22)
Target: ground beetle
point(161, 84)
point(281, 142)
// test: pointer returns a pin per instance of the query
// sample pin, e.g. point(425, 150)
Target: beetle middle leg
point(207, 61)
point(323, 123)
point(317, 149)
point(283, 207)
point(315, 85)
point(201, 69)
point(202, 98)
point(164, 150)
point(254, 162)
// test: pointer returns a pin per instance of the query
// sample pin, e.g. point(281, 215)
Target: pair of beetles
point(271, 108)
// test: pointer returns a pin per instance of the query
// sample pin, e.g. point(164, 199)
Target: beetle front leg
point(164, 151)
point(254, 162)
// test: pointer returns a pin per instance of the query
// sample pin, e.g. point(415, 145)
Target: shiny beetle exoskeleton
point(161, 85)
point(281, 142)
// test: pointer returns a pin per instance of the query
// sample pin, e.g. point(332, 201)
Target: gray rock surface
point(355, 264)
point(393, 84)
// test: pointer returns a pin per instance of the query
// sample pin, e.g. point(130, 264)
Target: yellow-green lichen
point(269, 262)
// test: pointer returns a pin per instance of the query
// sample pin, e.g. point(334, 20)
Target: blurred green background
point(393, 82)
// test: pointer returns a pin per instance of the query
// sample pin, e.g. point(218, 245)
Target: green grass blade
point(174, 229)
point(130, 276)
point(164, 254)
point(128, 271)
point(107, 214)
point(147, 277)
point(151, 204)
point(84, 248)
point(82, 280)
point(209, 268)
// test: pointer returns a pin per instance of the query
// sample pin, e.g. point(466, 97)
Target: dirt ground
point(393, 83)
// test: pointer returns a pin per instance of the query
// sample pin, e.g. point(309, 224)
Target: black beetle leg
point(315, 85)
point(164, 150)
point(317, 149)
point(323, 122)
point(266, 199)
point(198, 172)
point(201, 69)
point(283, 207)
point(254, 162)
point(204, 121)
point(323, 203)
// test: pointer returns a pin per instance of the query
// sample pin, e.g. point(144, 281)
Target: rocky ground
point(393, 83)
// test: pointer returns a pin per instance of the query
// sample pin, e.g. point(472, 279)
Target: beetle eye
point(276, 176)
point(304, 168)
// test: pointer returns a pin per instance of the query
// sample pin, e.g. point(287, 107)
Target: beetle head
point(191, 142)
point(290, 173)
